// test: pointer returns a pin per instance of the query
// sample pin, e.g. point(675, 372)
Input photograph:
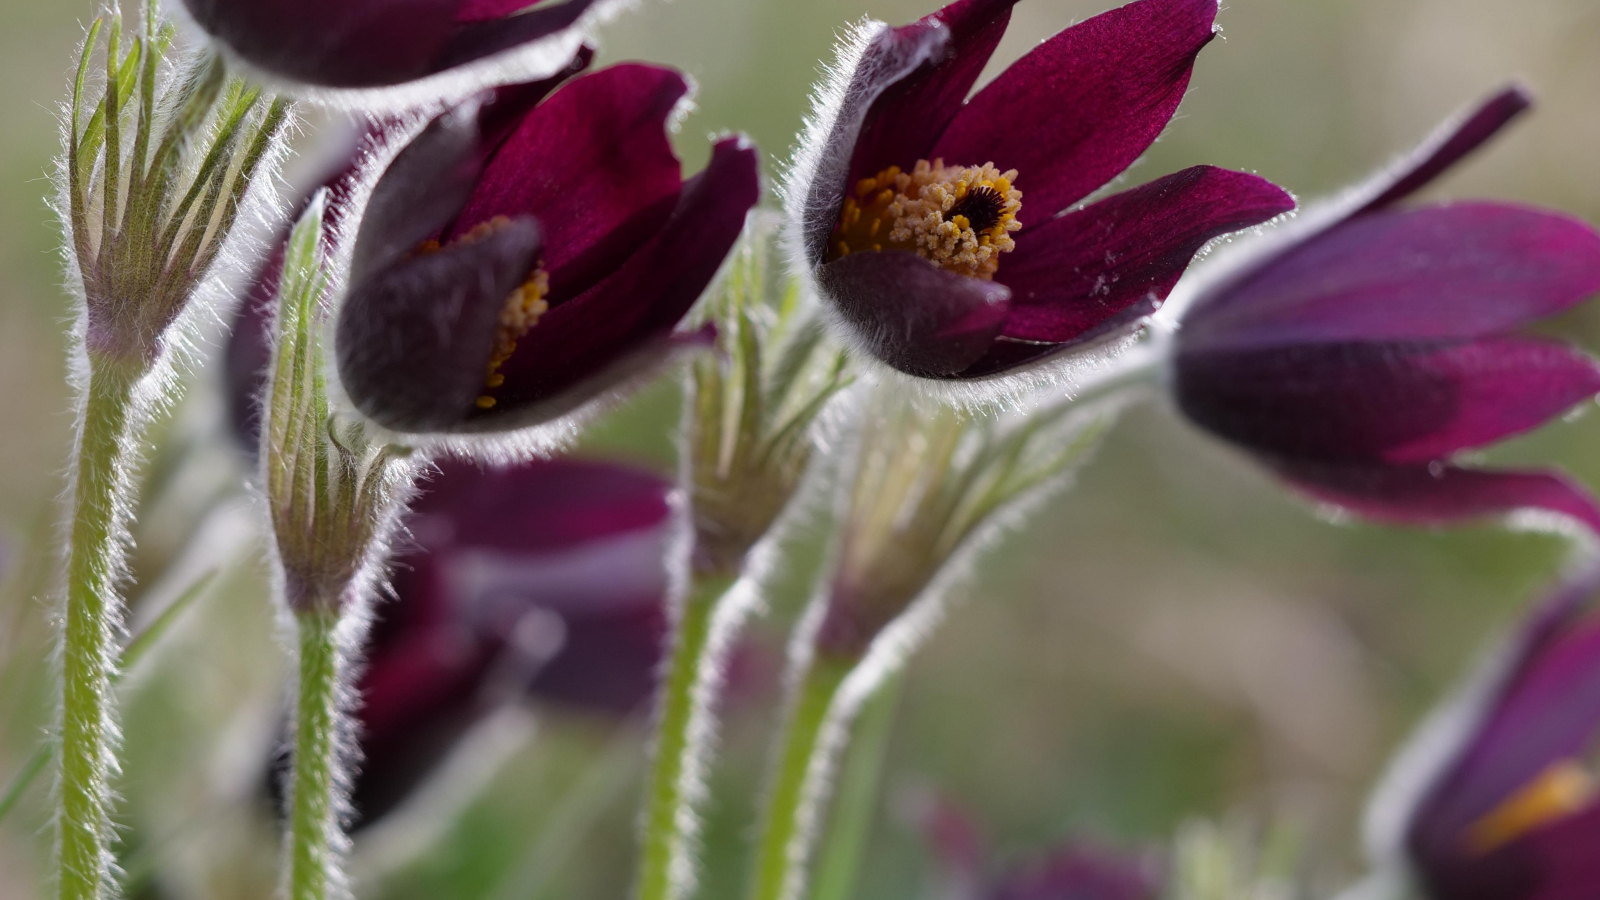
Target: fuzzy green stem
point(316, 844)
point(850, 825)
point(683, 735)
point(785, 840)
point(90, 624)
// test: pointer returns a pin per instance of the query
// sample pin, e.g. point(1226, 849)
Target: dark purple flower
point(1071, 870)
point(414, 48)
point(545, 579)
point(1509, 806)
point(1361, 349)
point(524, 256)
point(934, 227)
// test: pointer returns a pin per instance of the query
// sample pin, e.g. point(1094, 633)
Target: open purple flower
point(415, 49)
point(525, 255)
point(545, 579)
point(1509, 800)
point(1358, 350)
point(933, 224)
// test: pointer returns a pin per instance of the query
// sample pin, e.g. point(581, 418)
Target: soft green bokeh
point(1174, 638)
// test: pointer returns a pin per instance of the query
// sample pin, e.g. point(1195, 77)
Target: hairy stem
point(316, 842)
point(799, 782)
point(90, 624)
point(845, 838)
point(685, 721)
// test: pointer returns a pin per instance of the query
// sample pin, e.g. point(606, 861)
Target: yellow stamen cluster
point(521, 312)
point(1562, 789)
point(960, 217)
point(522, 309)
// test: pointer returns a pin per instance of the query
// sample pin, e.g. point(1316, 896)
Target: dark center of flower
point(1564, 788)
point(960, 217)
point(522, 309)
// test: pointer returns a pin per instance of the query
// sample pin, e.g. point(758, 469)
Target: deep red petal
point(1071, 273)
point(1082, 106)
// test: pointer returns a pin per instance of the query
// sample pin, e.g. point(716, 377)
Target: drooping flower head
point(1497, 798)
point(398, 51)
point(1360, 348)
point(934, 224)
point(526, 254)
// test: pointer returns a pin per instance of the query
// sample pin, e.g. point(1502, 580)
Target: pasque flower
point(1363, 347)
point(1498, 798)
point(366, 49)
point(931, 225)
point(544, 579)
point(524, 255)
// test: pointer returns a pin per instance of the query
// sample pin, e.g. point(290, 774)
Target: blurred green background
point(1174, 638)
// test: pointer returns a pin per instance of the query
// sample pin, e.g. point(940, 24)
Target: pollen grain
point(960, 217)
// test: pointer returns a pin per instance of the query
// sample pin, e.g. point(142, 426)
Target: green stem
point(683, 738)
point(845, 838)
point(89, 630)
point(316, 844)
point(798, 781)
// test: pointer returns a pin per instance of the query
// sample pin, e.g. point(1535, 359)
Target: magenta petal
point(904, 123)
point(1082, 106)
point(824, 169)
point(474, 40)
point(913, 315)
point(1448, 145)
point(414, 337)
point(593, 165)
point(489, 10)
point(1457, 271)
point(1073, 272)
point(1395, 403)
point(564, 360)
point(1440, 494)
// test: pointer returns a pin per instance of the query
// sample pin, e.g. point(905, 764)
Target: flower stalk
point(747, 444)
point(334, 497)
point(148, 205)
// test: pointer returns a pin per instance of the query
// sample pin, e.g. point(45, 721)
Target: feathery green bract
point(752, 404)
point(149, 212)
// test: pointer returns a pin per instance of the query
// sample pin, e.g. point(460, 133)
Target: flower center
point(522, 309)
point(1562, 789)
point(960, 217)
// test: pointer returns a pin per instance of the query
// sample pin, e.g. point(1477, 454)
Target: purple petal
point(913, 315)
point(413, 339)
point(1448, 145)
point(338, 43)
point(593, 165)
point(1076, 872)
point(1008, 354)
point(1082, 106)
point(1394, 403)
point(1458, 271)
point(902, 125)
point(1071, 273)
point(891, 54)
point(489, 10)
point(374, 43)
point(1439, 494)
point(565, 358)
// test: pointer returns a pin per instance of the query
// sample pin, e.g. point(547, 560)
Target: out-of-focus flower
point(1071, 870)
point(520, 259)
point(369, 51)
point(544, 579)
point(931, 225)
point(1363, 347)
point(1497, 797)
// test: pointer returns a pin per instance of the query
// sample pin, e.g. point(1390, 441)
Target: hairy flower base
point(960, 217)
point(523, 307)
